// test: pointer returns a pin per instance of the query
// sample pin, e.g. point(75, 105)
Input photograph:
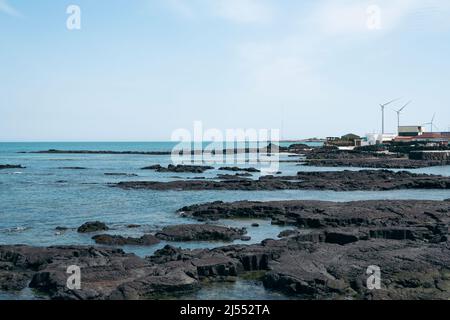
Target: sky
point(137, 70)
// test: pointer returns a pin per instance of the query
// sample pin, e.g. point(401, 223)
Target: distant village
point(407, 135)
point(412, 139)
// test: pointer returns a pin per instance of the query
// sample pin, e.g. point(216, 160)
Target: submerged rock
point(120, 174)
point(179, 168)
point(92, 226)
point(11, 166)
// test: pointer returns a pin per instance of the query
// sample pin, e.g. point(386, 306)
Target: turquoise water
point(35, 200)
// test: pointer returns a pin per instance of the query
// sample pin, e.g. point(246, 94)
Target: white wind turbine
point(383, 106)
point(399, 111)
point(432, 126)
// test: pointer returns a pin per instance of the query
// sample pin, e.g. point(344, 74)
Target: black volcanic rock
point(239, 169)
point(73, 168)
point(11, 166)
point(116, 240)
point(92, 226)
point(54, 151)
point(368, 180)
point(393, 219)
point(394, 163)
point(295, 266)
point(179, 168)
point(199, 232)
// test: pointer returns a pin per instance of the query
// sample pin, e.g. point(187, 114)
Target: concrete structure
point(410, 131)
point(427, 138)
point(379, 138)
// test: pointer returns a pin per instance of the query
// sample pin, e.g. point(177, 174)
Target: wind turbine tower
point(383, 106)
point(399, 111)
point(432, 126)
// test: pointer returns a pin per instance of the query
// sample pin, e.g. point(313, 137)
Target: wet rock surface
point(325, 255)
point(200, 232)
point(117, 240)
point(239, 169)
point(369, 180)
point(294, 266)
point(179, 168)
point(391, 219)
point(92, 226)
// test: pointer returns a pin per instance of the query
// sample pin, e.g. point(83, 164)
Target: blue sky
point(139, 69)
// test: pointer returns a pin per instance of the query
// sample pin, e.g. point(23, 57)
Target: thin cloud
point(6, 8)
point(234, 11)
point(244, 11)
point(351, 16)
point(181, 7)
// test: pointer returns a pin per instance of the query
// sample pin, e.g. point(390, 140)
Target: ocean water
point(37, 199)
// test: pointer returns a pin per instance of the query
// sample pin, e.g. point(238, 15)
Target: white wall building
point(378, 138)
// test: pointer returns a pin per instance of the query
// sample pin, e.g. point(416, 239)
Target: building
point(431, 139)
point(410, 131)
point(379, 138)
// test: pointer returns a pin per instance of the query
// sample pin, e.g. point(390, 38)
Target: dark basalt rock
point(199, 232)
point(370, 180)
point(116, 240)
point(92, 226)
point(54, 151)
point(234, 176)
point(394, 163)
point(11, 166)
point(294, 266)
point(133, 226)
point(179, 168)
point(73, 168)
point(393, 219)
point(239, 169)
point(335, 271)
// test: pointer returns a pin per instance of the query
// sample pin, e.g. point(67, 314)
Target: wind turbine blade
point(432, 120)
point(388, 103)
point(402, 108)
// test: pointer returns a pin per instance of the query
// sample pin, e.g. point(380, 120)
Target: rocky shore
point(369, 180)
point(331, 157)
point(391, 163)
point(179, 168)
point(325, 256)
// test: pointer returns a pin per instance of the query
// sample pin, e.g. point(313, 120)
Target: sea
point(45, 195)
